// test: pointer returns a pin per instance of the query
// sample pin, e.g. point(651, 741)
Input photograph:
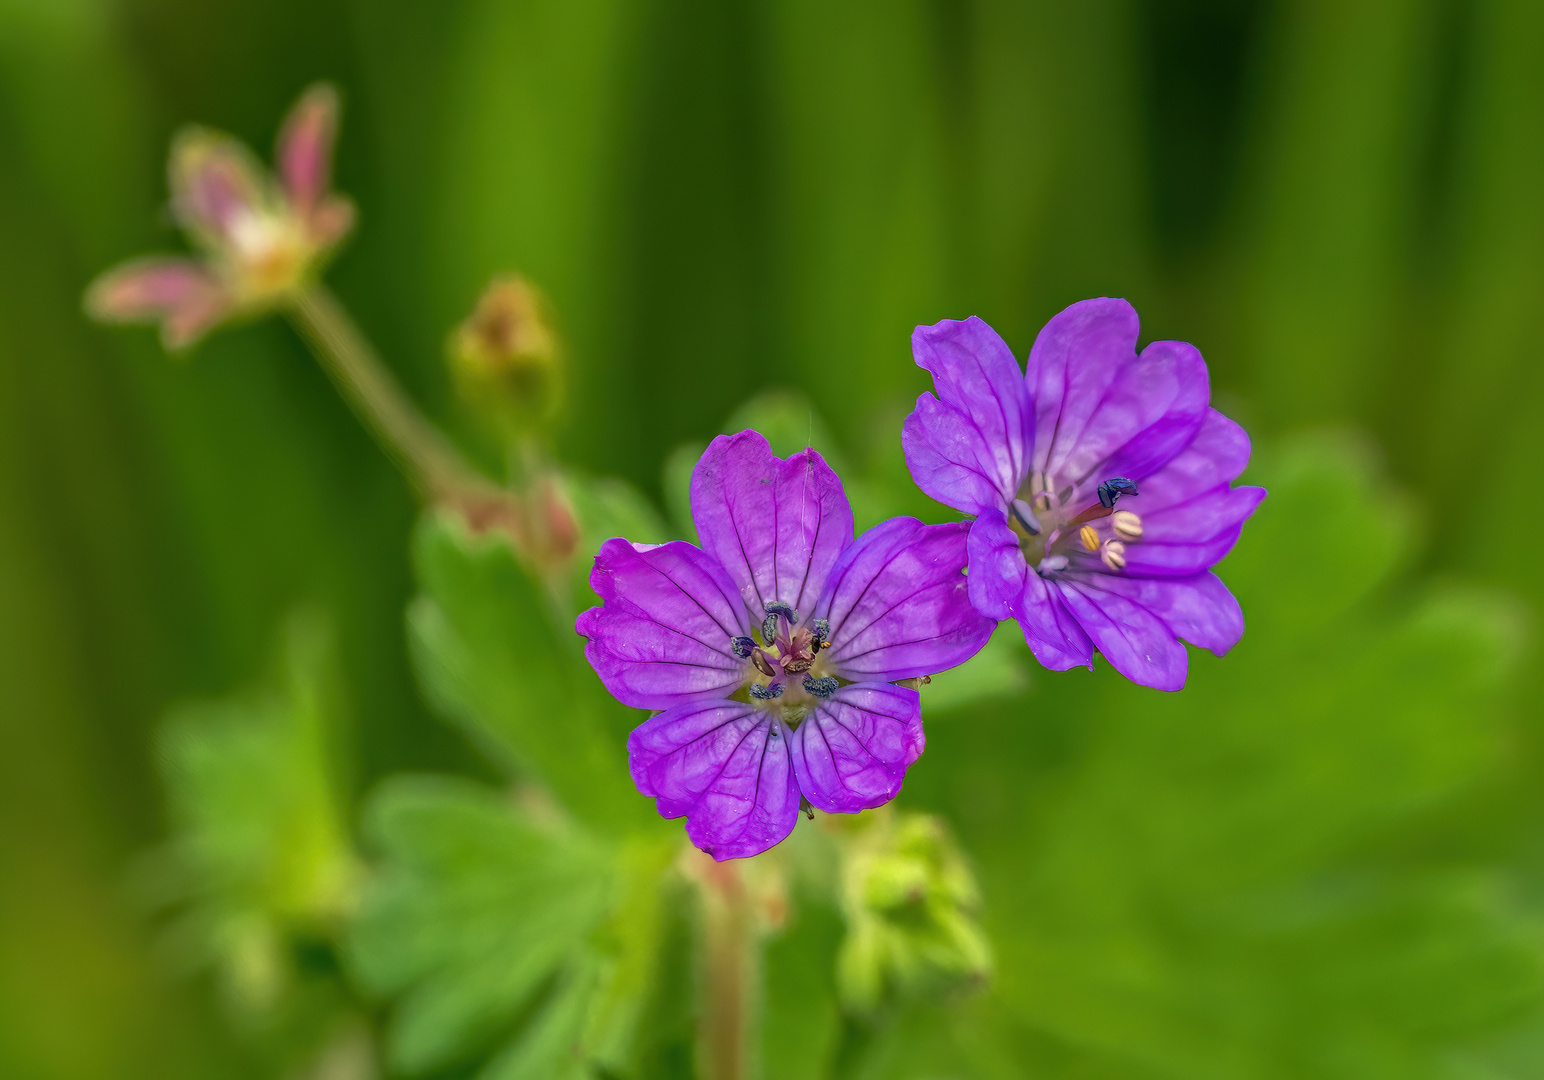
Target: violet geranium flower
point(1100, 482)
point(774, 649)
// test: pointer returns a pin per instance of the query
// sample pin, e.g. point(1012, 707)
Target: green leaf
point(478, 904)
point(259, 856)
point(1000, 668)
point(499, 657)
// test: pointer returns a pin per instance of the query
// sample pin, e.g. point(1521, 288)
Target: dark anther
point(793, 667)
point(742, 647)
point(763, 665)
point(768, 692)
point(1025, 516)
point(822, 630)
point(776, 610)
point(821, 688)
point(1113, 488)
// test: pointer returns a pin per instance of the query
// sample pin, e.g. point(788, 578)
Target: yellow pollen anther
point(1089, 537)
point(1114, 555)
point(1127, 525)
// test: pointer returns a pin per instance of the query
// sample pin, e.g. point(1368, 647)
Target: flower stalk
point(434, 468)
point(728, 943)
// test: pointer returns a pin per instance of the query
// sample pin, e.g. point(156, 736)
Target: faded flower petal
point(898, 603)
point(178, 293)
point(304, 150)
point(725, 766)
point(776, 526)
point(218, 189)
point(851, 752)
point(969, 447)
point(662, 633)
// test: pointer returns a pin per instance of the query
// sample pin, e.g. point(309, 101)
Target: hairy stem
point(431, 464)
point(728, 961)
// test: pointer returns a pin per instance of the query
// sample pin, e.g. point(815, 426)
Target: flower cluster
point(776, 651)
point(259, 238)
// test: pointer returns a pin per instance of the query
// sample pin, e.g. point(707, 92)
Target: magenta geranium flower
point(775, 648)
point(1101, 484)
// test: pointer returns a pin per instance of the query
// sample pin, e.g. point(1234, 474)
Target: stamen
point(776, 609)
point(763, 665)
point(1114, 555)
point(821, 688)
point(768, 692)
point(1127, 525)
point(742, 647)
point(1025, 516)
point(822, 631)
point(1113, 488)
point(1089, 537)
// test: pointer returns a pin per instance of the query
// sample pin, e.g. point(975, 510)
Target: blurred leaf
point(999, 668)
point(493, 657)
point(476, 906)
point(608, 507)
point(260, 857)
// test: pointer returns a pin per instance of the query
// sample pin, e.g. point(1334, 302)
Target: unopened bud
point(506, 357)
point(910, 903)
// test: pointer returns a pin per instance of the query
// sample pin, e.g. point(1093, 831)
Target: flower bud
point(910, 903)
point(507, 360)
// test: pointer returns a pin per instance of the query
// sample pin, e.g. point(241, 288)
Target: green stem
point(728, 961)
point(430, 463)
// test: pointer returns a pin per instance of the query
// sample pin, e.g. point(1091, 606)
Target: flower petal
point(997, 566)
point(180, 294)
point(1200, 609)
point(1214, 458)
point(1182, 540)
point(304, 152)
point(1137, 643)
point(899, 603)
point(851, 752)
point(776, 526)
point(725, 765)
point(1051, 631)
point(217, 187)
point(1100, 409)
point(661, 635)
point(976, 435)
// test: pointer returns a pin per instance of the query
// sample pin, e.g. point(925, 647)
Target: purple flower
point(1100, 482)
point(259, 238)
point(774, 648)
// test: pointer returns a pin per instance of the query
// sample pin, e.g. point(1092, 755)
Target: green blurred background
point(1324, 859)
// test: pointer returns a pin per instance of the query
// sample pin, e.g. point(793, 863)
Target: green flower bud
point(910, 903)
point(507, 360)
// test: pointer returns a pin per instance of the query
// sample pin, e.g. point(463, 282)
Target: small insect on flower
point(259, 238)
point(1042, 458)
point(775, 649)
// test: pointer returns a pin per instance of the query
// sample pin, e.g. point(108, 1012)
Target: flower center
point(784, 669)
point(1056, 530)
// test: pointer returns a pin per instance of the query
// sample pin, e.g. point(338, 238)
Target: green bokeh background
point(1341, 202)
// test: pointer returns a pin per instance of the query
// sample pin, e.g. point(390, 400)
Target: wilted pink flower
point(259, 237)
